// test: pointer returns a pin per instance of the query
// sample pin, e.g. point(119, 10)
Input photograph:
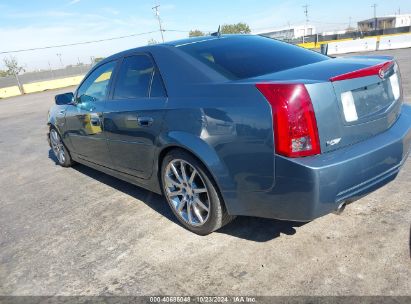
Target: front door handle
point(145, 121)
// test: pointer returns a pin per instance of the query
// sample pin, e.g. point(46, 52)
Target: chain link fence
point(318, 38)
point(32, 77)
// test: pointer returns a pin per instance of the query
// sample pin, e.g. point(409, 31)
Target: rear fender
point(207, 155)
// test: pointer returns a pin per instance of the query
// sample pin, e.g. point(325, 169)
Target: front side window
point(95, 87)
point(137, 78)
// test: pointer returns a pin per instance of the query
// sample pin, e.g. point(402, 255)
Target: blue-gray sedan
point(238, 125)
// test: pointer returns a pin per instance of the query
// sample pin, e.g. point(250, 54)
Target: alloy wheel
point(57, 146)
point(187, 192)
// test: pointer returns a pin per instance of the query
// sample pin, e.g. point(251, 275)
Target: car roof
point(174, 43)
point(192, 40)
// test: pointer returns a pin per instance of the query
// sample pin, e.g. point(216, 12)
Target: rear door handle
point(145, 121)
point(95, 121)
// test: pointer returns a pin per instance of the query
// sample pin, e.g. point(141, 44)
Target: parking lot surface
point(77, 231)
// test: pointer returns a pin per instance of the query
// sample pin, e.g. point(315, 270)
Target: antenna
point(157, 13)
point(218, 33)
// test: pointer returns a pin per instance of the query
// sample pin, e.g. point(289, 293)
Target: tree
point(95, 60)
point(239, 28)
point(196, 33)
point(152, 42)
point(14, 69)
point(3, 73)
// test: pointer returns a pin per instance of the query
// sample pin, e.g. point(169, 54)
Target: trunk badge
point(333, 142)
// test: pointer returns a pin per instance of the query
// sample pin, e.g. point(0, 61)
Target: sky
point(38, 23)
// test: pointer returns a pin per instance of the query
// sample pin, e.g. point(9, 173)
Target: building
point(287, 33)
point(382, 23)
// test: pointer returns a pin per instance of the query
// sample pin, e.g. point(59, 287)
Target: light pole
point(79, 64)
point(375, 15)
point(61, 61)
point(306, 20)
point(51, 70)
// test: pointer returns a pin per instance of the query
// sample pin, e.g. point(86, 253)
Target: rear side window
point(157, 87)
point(138, 78)
point(239, 57)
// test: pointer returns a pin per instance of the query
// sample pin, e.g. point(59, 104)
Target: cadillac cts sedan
point(238, 125)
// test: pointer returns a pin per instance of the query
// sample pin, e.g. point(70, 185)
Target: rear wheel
point(191, 193)
point(59, 150)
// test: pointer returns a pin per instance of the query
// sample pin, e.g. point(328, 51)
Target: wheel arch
point(52, 123)
point(205, 154)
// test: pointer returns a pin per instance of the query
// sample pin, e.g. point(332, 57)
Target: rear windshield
point(239, 57)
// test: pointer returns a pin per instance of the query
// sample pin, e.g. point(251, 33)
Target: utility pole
point(306, 20)
point(79, 64)
point(157, 13)
point(375, 15)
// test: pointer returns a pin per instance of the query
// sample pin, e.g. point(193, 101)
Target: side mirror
point(63, 99)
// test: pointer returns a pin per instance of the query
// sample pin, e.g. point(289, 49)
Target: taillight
point(378, 70)
point(294, 123)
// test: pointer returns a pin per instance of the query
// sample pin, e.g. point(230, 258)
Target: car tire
point(60, 151)
point(195, 189)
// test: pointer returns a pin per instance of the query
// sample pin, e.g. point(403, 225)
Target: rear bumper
point(307, 188)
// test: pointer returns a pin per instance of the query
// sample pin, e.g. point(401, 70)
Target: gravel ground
point(77, 231)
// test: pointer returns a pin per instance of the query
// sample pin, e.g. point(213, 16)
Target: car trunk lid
point(353, 98)
point(368, 102)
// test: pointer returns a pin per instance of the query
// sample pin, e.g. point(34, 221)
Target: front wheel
point(191, 193)
point(59, 150)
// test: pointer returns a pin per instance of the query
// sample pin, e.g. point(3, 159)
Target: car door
point(133, 117)
point(84, 123)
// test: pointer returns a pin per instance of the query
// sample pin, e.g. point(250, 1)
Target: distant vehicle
point(238, 125)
